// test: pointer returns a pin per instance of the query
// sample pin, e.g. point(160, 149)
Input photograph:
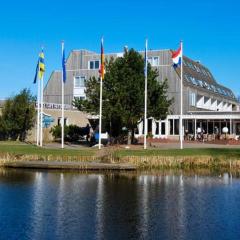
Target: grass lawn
point(28, 149)
point(224, 152)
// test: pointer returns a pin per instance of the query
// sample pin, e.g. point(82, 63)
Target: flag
point(63, 64)
point(145, 60)
point(36, 74)
point(41, 65)
point(40, 69)
point(177, 57)
point(102, 70)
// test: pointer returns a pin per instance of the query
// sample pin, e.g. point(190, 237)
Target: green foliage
point(56, 131)
point(72, 133)
point(123, 94)
point(18, 116)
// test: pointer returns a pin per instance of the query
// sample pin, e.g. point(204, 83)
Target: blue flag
point(64, 64)
point(36, 74)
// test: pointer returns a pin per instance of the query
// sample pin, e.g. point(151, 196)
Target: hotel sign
point(54, 106)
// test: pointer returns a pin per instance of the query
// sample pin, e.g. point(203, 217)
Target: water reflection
point(100, 207)
point(141, 205)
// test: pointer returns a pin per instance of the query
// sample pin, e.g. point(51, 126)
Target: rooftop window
point(93, 64)
point(154, 61)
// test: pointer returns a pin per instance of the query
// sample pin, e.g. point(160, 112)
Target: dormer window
point(154, 61)
point(93, 64)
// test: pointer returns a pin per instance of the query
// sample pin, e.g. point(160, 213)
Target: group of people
point(200, 134)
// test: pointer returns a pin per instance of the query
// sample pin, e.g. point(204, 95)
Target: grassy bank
point(17, 151)
point(29, 149)
point(185, 158)
point(142, 159)
point(214, 152)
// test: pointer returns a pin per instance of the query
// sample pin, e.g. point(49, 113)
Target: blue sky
point(210, 31)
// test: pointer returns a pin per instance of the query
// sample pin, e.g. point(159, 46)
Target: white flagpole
point(100, 115)
point(181, 99)
point(38, 107)
point(145, 100)
point(41, 115)
point(62, 102)
point(100, 104)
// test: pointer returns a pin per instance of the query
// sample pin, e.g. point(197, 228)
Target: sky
point(210, 30)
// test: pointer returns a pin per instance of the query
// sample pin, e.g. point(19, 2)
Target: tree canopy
point(123, 94)
point(18, 116)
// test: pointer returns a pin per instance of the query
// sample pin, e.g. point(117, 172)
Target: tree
point(18, 116)
point(123, 94)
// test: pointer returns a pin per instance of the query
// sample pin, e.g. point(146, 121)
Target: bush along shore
point(14, 154)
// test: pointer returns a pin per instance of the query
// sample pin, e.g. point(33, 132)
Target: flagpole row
point(181, 99)
point(100, 115)
point(41, 114)
point(63, 65)
point(100, 101)
point(38, 109)
point(145, 99)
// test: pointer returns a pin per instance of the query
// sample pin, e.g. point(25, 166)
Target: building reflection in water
point(60, 205)
point(100, 207)
point(38, 202)
point(73, 205)
point(143, 205)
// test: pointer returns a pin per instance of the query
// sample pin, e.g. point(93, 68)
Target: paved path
point(176, 145)
point(160, 145)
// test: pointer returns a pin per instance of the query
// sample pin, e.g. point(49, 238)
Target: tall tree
point(123, 94)
point(18, 116)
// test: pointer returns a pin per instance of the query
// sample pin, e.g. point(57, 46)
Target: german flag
point(102, 69)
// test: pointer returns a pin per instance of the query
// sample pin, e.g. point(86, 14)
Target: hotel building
point(206, 103)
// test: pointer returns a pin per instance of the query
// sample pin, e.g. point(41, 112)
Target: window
point(209, 74)
point(201, 83)
point(191, 65)
point(204, 72)
point(154, 61)
point(80, 98)
point(176, 126)
point(192, 99)
point(187, 78)
point(214, 88)
point(60, 121)
point(195, 81)
point(79, 82)
point(197, 68)
point(93, 64)
point(163, 131)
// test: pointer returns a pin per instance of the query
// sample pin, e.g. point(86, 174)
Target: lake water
point(146, 205)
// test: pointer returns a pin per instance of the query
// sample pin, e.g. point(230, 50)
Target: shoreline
point(91, 166)
point(117, 158)
point(116, 162)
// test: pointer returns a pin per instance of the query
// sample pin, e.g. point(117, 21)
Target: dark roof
point(198, 76)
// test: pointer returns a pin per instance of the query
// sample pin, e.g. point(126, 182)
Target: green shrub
point(72, 133)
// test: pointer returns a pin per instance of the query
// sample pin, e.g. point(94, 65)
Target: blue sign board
point(47, 120)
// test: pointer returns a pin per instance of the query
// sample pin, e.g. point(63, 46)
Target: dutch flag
point(177, 57)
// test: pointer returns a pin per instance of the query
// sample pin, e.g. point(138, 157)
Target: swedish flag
point(40, 69)
point(41, 65)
